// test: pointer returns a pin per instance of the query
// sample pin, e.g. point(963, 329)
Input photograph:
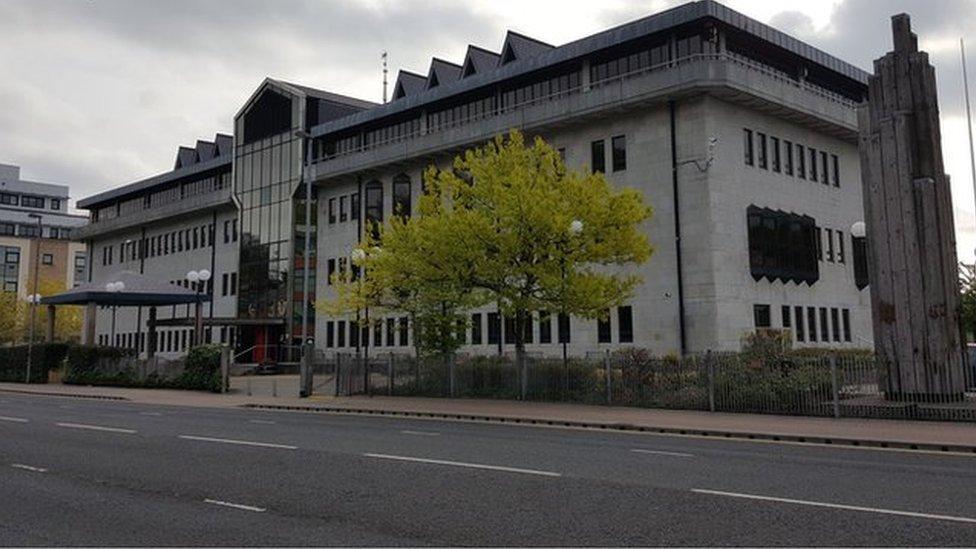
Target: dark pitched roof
point(442, 72)
point(478, 60)
point(225, 144)
point(328, 96)
point(185, 156)
point(542, 57)
point(408, 83)
point(518, 46)
point(206, 150)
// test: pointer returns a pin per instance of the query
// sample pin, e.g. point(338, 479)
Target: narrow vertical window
point(824, 171)
point(545, 327)
point(812, 322)
point(788, 157)
point(374, 207)
point(801, 162)
point(354, 206)
point(618, 147)
point(390, 332)
point(476, 329)
point(747, 147)
point(342, 208)
point(330, 334)
point(332, 211)
point(494, 328)
point(785, 310)
point(341, 333)
point(598, 161)
point(760, 316)
point(835, 322)
point(774, 146)
point(404, 335)
point(762, 150)
point(798, 312)
point(603, 328)
point(830, 244)
point(625, 324)
point(835, 169)
point(840, 247)
point(563, 328)
point(401, 195)
point(824, 327)
point(846, 317)
point(813, 164)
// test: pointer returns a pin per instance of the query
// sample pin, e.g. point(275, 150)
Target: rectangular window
point(55, 204)
point(332, 211)
point(330, 271)
point(835, 322)
point(196, 237)
point(618, 146)
point(9, 199)
point(598, 157)
point(824, 171)
point(603, 334)
point(354, 330)
point(835, 169)
point(563, 328)
point(47, 259)
point(760, 316)
point(391, 332)
point(846, 317)
point(494, 329)
point(787, 157)
point(233, 230)
point(830, 244)
point(341, 333)
point(798, 311)
point(813, 164)
point(545, 327)
point(818, 234)
point(762, 150)
point(747, 147)
point(812, 322)
point(785, 311)
point(404, 333)
point(401, 195)
point(774, 145)
point(476, 329)
point(354, 206)
point(32, 201)
point(509, 335)
point(378, 335)
point(225, 284)
point(342, 208)
point(233, 283)
point(801, 162)
point(824, 327)
point(625, 324)
point(840, 247)
point(226, 231)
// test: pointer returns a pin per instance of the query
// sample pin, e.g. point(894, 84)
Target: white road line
point(420, 433)
point(96, 428)
point(838, 506)
point(241, 442)
point(150, 414)
point(13, 419)
point(261, 421)
point(662, 453)
point(28, 467)
point(469, 465)
point(235, 505)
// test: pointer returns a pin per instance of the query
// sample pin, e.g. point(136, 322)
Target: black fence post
point(609, 377)
point(835, 390)
point(338, 372)
point(389, 375)
point(710, 364)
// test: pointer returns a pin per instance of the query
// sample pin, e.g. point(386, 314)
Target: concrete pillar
point(49, 335)
point(90, 315)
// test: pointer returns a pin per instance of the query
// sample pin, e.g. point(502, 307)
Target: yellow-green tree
point(15, 316)
point(508, 225)
point(12, 318)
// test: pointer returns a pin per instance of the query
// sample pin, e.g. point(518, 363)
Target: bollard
point(711, 380)
point(833, 385)
point(609, 377)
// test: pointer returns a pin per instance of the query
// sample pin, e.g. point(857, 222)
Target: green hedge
point(201, 371)
point(44, 358)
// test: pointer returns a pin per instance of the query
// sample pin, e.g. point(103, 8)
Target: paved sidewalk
point(924, 434)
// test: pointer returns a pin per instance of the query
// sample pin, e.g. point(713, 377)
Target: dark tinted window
point(625, 324)
point(598, 160)
point(619, 153)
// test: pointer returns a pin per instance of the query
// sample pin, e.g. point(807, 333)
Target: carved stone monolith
point(911, 240)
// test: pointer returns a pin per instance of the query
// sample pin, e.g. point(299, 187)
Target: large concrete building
point(36, 229)
point(742, 138)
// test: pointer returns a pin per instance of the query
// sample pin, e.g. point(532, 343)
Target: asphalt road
point(79, 472)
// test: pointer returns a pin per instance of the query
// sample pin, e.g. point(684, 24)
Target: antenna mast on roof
point(384, 75)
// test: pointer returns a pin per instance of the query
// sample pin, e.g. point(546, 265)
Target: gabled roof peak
point(442, 72)
point(519, 46)
point(408, 83)
point(478, 60)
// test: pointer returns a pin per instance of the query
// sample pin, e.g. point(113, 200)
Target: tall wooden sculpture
point(911, 241)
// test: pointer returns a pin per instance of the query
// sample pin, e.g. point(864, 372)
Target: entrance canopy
point(135, 290)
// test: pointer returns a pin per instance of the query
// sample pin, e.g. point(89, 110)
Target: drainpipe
point(677, 230)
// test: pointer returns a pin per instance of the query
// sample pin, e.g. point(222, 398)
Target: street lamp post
point(308, 228)
point(574, 230)
point(199, 280)
point(33, 302)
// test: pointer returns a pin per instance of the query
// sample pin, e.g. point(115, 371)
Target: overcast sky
point(99, 93)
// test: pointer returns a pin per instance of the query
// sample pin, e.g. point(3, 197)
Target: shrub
point(202, 369)
point(87, 365)
point(44, 358)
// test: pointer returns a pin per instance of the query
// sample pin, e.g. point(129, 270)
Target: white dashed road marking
point(420, 433)
point(13, 419)
point(468, 465)
point(28, 467)
point(240, 442)
point(97, 428)
point(235, 505)
point(838, 506)
point(662, 453)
